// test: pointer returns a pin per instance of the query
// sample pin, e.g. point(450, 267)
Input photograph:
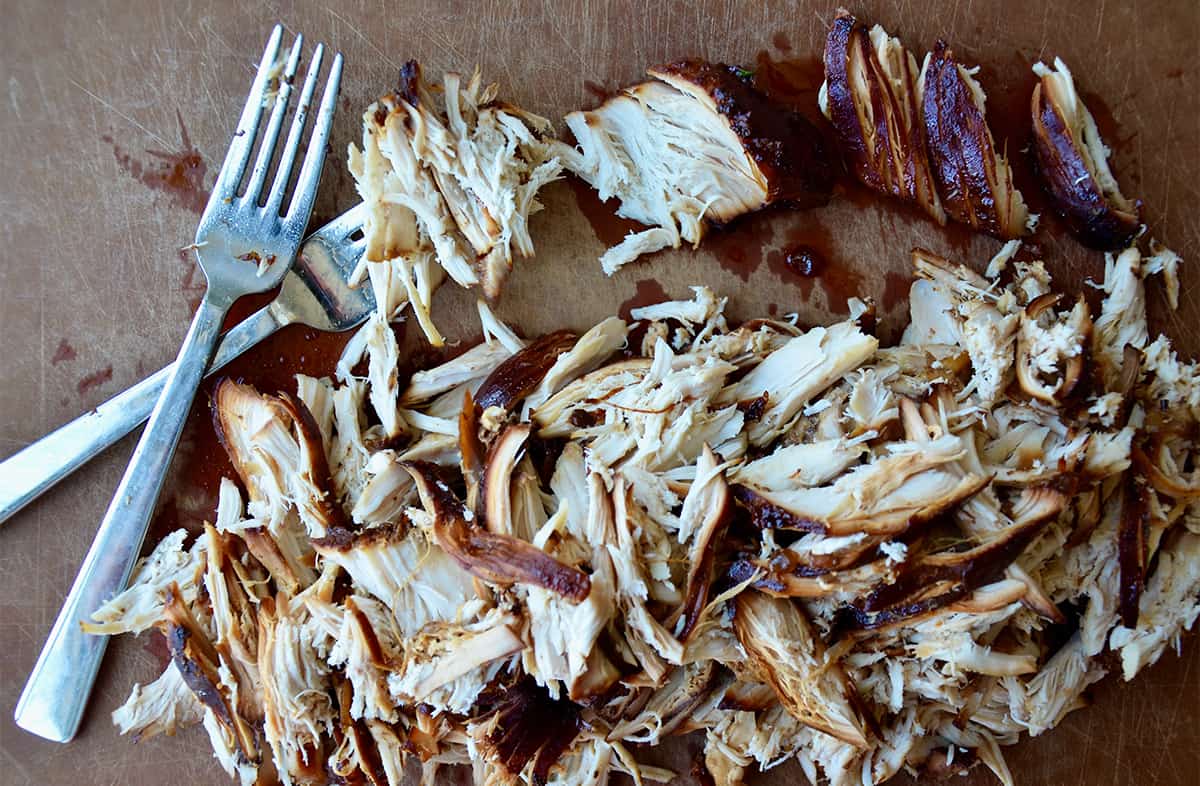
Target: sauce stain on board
point(179, 175)
point(740, 247)
point(94, 380)
point(895, 290)
point(64, 353)
point(609, 228)
point(648, 291)
point(807, 260)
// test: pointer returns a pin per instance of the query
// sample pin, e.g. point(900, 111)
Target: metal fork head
point(244, 246)
point(316, 292)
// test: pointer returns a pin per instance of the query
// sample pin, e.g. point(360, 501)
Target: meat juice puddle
point(608, 227)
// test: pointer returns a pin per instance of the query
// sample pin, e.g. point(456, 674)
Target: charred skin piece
point(197, 660)
point(498, 559)
point(973, 178)
point(1131, 549)
point(526, 725)
point(870, 96)
point(518, 376)
point(1072, 162)
point(785, 147)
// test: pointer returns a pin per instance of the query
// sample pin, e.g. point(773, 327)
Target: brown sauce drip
point(809, 248)
point(740, 247)
point(804, 261)
point(648, 291)
point(64, 353)
point(179, 174)
point(94, 380)
point(608, 227)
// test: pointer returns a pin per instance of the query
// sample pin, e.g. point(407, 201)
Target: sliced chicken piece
point(402, 568)
point(1051, 348)
point(700, 143)
point(1072, 160)
point(464, 165)
point(794, 374)
point(802, 465)
point(367, 647)
point(376, 342)
point(161, 707)
point(275, 446)
point(231, 594)
point(447, 664)
point(973, 177)
point(910, 484)
point(299, 710)
point(593, 348)
point(204, 670)
point(870, 95)
point(790, 656)
point(497, 559)
point(1168, 607)
point(474, 365)
point(142, 603)
point(707, 511)
point(1122, 320)
point(968, 315)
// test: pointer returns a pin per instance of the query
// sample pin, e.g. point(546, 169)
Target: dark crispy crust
point(1131, 548)
point(497, 559)
point(765, 515)
point(342, 539)
point(526, 725)
point(471, 450)
point(197, 660)
point(364, 753)
point(968, 570)
point(889, 157)
point(1077, 196)
point(786, 148)
point(937, 580)
point(961, 150)
point(408, 86)
point(516, 377)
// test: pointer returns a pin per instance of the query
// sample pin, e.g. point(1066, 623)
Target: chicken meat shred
point(696, 144)
point(801, 543)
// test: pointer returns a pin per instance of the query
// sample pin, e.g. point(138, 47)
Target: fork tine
point(267, 150)
point(288, 157)
point(314, 159)
point(243, 139)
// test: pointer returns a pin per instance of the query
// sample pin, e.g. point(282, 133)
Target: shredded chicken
point(450, 177)
point(804, 545)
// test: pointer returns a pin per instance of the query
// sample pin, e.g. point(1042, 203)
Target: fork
point(316, 292)
point(243, 247)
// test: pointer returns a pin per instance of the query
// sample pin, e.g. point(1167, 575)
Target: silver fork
point(315, 292)
point(242, 248)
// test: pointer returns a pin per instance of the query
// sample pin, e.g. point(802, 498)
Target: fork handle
point(54, 698)
point(38, 466)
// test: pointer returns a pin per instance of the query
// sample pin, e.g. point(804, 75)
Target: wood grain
point(102, 100)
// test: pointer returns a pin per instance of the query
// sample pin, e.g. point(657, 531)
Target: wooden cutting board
point(116, 116)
